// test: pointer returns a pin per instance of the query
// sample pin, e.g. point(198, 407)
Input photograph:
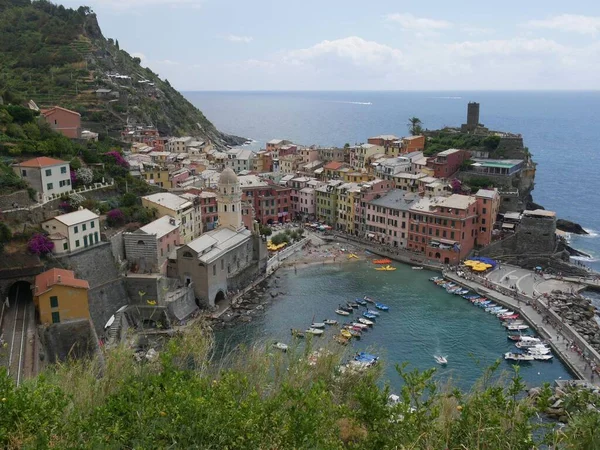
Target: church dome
point(228, 176)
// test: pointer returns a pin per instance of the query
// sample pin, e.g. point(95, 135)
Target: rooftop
point(450, 151)
point(44, 281)
point(501, 163)
point(41, 162)
point(75, 217)
point(161, 227)
point(539, 213)
point(247, 181)
point(396, 199)
point(168, 200)
point(486, 193)
point(214, 244)
point(386, 137)
point(333, 165)
point(275, 141)
point(411, 138)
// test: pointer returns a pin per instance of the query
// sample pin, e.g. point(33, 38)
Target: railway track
point(17, 337)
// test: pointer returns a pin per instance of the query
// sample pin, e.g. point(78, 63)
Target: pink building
point(488, 205)
point(63, 121)
point(309, 155)
point(388, 217)
point(368, 191)
point(178, 176)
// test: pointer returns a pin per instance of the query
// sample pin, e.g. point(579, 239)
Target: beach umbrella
point(470, 263)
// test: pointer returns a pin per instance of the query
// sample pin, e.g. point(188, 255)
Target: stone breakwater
point(578, 312)
point(558, 404)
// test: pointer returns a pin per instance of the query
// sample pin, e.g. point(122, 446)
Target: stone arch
point(219, 297)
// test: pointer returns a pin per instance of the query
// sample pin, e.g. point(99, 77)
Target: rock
point(557, 403)
point(246, 319)
point(534, 392)
point(570, 227)
point(563, 419)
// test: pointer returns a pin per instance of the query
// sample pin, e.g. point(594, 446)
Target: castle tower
point(473, 115)
point(229, 200)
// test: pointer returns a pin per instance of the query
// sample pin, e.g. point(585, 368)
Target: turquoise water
point(423, 320)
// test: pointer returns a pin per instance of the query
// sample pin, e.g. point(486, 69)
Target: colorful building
point(48, 176)
point(63, 121)
point(444, 229)
point(360, 153)
point(346, 195)
point(368, 191)
point(326, 200)
point(73, 231)
point(488, 206)
point(182, 209)
point(445, 164)
point(148, 248)
point(388, 217)
point(59, 297)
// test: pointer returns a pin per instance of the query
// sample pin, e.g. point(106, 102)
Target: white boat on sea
point(509, 313)
point(528, 343)
point(441, 360)
point(372, 311)
point(538, 349)
point(517, 327)
point(366, 321)
point(539, 357)
point(341, 312)
point(314, 331)
point(518, 357)
point(280, 346)
point(362, 326)
point(330, 322)
point(318, 325)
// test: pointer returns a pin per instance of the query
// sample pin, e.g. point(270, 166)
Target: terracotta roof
point(50, 111)
point(41, 162)
point(46, 280)
point(333, 165)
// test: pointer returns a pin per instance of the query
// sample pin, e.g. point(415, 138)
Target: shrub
point(115, 217)
point(85, 175)
point(116, 158)
point(40, 244)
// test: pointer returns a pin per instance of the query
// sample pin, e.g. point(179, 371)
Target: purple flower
point(40, 244)
point(73, 177)
point(118, 159)
point(115, 217)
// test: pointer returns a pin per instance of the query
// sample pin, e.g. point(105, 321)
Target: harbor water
point(424, 320)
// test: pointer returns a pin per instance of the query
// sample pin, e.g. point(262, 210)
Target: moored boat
point(318, 325)
point(280, 346)
point(314, 331)
point(517, 327)
point(341, 339)
point(361, 302)
point(361, 326)
point(509, 317)
point(348, 309)
point(365, 321)
point(345, 333)
point(341, 312)
point(369, 316)
point(417, 267)
point(373, 312)
point(297, 333)
point(330, 322)
point(382, 261)
point(354, 333)
point(353, 305)
point(518, 356)
point(385, 268)
point(382, 307)
point(368, 299)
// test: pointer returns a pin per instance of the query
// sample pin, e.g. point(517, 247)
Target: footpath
point(577, 361)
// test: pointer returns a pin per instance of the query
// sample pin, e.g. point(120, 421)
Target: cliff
point(59, 56)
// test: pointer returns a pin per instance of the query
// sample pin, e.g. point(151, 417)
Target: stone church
point(225, 259)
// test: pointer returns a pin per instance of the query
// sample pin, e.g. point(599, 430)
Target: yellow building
point(346, 197)
point(157, 176)
point(182, 209)
point(357, 177)
point(59, 296)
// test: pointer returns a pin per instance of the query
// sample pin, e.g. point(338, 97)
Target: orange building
point(63, 121)
point(488, 206)
point(444, 228)
point(59, 297)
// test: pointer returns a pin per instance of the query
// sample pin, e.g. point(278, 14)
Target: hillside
point(58, 56)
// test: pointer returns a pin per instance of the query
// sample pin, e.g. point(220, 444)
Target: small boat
point(361, 302)
point(461, 292)
point(361, 326)
point(369, 315)
point(417, 267)
point(385, 268)
point(348, 309)
point(352, 305)
point(354, 333)
point(517, 327)
point(314, 331)
point(351, 328)
point(373, 312)
point(499, 312)
point(507, 313)
point(345, 333)
point(543, 357)
point(341, 312)
point(297, 333)
point(365, 321)
point(382, 307)
point(541, 350)
point(366, 357)
point(441, 360)
point(352, 256)
point(382, 261)
point(368, 299)
point(318, 325)
point(518, 357)
point(434, 279)
point(330, 322)
point(514, 337)
point(280, 346)
point(341, 339)
point(509, 317)
point(512, 322)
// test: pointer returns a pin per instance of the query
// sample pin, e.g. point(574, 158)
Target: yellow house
point(357, 177)
point(158, 176)
point(182, 209)
point(346, 198)
point(59, 296)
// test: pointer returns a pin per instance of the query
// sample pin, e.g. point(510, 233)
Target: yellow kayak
point(385, 268)
point(346, 334)
point(352, 256)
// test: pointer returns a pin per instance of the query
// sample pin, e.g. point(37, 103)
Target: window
point(83, 227)
point(214, 269)
point(92, 224)
point(56, 317)
point(76, 244)
point(65, 246)
point(222, 264)
point(63, 169)
point(54, 301)
point(48, 172)
point(24, 173)
point(484, 210)
point(76, 229)
point(50, 186)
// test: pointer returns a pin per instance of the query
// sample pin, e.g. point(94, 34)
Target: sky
point(359, 45)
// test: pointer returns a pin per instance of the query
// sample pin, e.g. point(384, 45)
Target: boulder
point(570, 227)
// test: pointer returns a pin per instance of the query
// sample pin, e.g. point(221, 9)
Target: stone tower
point(229, 201)
point(473, 115)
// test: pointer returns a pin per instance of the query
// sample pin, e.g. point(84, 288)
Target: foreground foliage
point(258, 399)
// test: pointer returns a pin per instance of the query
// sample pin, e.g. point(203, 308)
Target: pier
point(559, 339)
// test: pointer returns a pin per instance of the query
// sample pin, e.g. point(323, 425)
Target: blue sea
point(561, 129)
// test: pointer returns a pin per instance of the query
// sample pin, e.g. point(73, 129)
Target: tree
point(85, 175)
point(5, 235)
point(40, 244)
point(128, 199)
point(265, 230)
point(415, 126)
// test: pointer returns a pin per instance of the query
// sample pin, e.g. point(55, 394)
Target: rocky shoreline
point(578, 312)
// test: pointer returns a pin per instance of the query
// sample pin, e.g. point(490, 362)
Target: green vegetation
point(415, 126)
point(265, 230)
point(270, 400)
point(5, 235)
point(58, 56)
point(446, 140)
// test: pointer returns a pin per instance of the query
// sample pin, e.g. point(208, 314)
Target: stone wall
point(509, 148)
point(21, 198)
point(75, 339)
point(141, 251)
point(105, 300)
point(117, 246)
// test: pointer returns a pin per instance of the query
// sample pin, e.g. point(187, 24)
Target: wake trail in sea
point(448, 98)
point(350, 103)
point(590, 234)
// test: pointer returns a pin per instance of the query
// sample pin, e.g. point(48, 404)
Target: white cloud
point(418, 24)
point(236, 38)
point(568, 22)
point(476, 31)
point(353, 49)
point(506, 47)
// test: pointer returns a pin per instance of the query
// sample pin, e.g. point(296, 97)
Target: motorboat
point(509, 317)
point(434, 279)
point(382, 307)
point(417, 267)
point(350, 327)
point(531, 340)
point(297, 333)
point(365, 321)
point(501, 314)
point(341, 312)
point(543, 357)
point(345, 333)
point(354, 333)
point(366, 358)
point(362, 326)
point(314, 331)
point(361, 302)
point(369, 316)
point(512, 322)
point(373, 312)
point(517, 327)
point(330, 322)
point(352, 256)
point(368, 299)
point(461, 292)
point(538, 348)
point(348, 309)
point(514, 337)
point(385, 268)
point(318, 325)
point(353, 305)
point(280, 346)
point(441, 360)
point(518, 357)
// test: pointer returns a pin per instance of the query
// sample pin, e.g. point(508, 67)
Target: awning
point(508, 226)
point(370, 235)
